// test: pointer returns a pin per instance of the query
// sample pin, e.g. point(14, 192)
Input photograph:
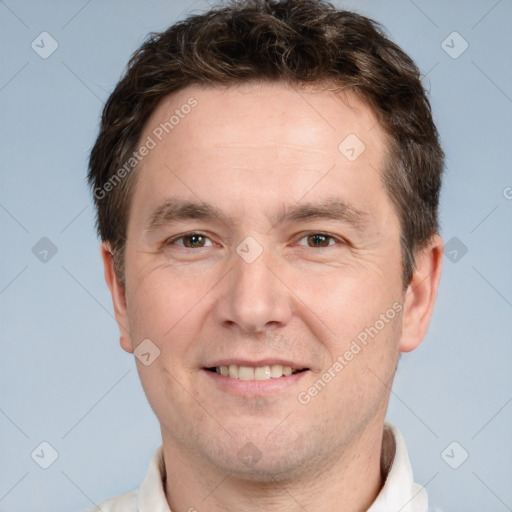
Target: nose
point(254, 296)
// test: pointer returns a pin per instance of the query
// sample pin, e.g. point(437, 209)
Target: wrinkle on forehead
point(269, 144)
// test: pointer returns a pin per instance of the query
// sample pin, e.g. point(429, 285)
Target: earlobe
point(117, 291)
point(421, 294)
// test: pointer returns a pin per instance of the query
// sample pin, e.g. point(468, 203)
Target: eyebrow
point(179, 209)
point(175, 209)
point(331, 208)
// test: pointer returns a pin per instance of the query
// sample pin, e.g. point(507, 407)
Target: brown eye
point(319, 240)
point(190, 241)
point(193, 241)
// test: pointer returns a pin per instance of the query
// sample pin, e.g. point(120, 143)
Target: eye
point(190, 240)
point(320, 240)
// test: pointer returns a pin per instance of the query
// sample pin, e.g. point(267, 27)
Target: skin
point(252, 151)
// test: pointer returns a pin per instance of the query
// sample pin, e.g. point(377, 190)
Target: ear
point(421, 294)
point(117, 291)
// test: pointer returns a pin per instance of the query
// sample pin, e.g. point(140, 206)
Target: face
point(261, 241)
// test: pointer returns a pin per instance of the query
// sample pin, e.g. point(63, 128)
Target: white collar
point(399, 492)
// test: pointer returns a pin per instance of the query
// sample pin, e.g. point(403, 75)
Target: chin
point(258, 458)
point(265, 470)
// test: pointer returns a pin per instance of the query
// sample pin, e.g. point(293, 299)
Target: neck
point(352, 478)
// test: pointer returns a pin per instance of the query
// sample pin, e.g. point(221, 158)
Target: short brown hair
point(296, 41)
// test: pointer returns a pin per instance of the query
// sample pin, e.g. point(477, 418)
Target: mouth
point(248, 373)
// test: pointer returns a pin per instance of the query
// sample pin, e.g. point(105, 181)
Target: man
point(267, 179)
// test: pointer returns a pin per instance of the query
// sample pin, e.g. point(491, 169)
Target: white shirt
point(399, 493)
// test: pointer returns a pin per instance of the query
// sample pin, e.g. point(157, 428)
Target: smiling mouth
point(275, 371)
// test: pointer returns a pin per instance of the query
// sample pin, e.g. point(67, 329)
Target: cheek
point(171, 306)
point(355, 299)
point(365, 317)
point(158, 303)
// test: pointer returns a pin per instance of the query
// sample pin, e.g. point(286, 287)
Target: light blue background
point(63, 377)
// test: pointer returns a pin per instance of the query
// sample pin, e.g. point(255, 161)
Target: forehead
point(268, 142)
point(293, 117)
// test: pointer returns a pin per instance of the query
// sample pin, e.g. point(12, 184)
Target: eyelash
point(306, 235)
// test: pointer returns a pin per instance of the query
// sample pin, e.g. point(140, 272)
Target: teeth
point(245, 373)
point(262, 373)
point(233, 371)
point(274, 371)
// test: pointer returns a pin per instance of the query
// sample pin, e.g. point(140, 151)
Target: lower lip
point(255, 387)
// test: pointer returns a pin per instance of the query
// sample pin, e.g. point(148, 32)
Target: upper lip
point(255, 364)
